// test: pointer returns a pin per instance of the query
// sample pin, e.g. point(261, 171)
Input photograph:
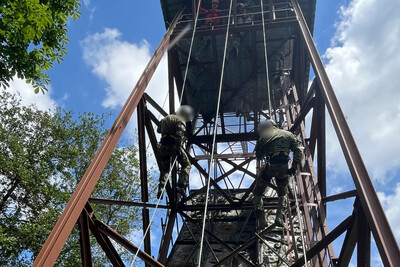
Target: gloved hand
point(292, 171)
point(260, 170)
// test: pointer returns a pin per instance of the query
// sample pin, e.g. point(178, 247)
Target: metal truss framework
point(368, 215)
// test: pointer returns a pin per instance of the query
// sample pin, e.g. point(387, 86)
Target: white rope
point(293, 185)
point(214, 137)
point(154, 213)
point(171, 167)
point(266, 59)
point(190, 52)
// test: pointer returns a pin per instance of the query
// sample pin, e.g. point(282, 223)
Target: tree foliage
point(42, 158)
point(33, 35)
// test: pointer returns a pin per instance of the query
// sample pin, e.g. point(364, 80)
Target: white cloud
point(120, 63)
point(86, 3)
point(363, 65)
point(28, 96)
point(392, 209)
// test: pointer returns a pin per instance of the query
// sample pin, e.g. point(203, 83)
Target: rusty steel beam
point(107, 230)
point(307, 105)
point(226, 207)
point(144, 188)
point(226, 156)
point(154, 144)
point(306, 109)
point(384, 238)
point(84, 240)
point(237, 167)
point(299, 56)
point(223, 138)
point(321, 144)
point(378, 223)
point(197, 62)
point(213, 182)
point(177, 74)
point(141, 114)
point(171, 87)
point(313, 195)
point(256, 26)
point(242, 247)
point(104, 241)
point(58, 236)
point(312, 140)
point(152, 137)
point(126, 203)
point(325, 241)
point(363, 241)
point(241, 168)
point(166, 238)
point(154, 104)
point(152, 117)
point(300, 181)
point(248, 192)
point(241, 257)
point(344, 195)
point(349, 244)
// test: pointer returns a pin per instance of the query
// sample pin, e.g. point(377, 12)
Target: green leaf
point(33, 23)
point(46, 154)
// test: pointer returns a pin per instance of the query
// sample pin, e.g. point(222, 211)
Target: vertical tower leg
point(321, 143)
point(84, 240)
point(143, 173)
point(59, 235)
point(375, 216)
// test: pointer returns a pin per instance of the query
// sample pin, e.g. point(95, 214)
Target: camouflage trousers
point(264, 178)
point(167, 157)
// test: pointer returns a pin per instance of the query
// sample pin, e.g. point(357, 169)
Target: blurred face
point(215, 5)
point(185, 117)
point(263, 130)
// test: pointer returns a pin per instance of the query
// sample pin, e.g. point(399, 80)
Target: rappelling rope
point(266, 59)
point(190, 51)
point(171, 167)
point(293, 185)
point(214, 137)
point(154, 213)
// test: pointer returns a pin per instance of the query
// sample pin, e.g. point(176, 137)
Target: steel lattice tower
point(269, 49)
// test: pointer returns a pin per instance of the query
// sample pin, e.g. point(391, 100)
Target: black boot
point(279, 220)
point(262, 222)
point(160, 191)
point(181, 189)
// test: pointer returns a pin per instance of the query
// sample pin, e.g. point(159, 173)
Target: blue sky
point(111, 43)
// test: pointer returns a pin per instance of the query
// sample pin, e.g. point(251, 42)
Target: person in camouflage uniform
point(172, 129)
point(274, 146)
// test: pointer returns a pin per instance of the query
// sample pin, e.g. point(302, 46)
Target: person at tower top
point(212, 15)
point(274, 147)
point(172, 129)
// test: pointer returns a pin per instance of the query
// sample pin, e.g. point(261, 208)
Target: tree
point(32, 38)
point(43, 156)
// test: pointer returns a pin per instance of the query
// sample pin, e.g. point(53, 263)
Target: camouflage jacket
point(278, 140)
point(172, 125)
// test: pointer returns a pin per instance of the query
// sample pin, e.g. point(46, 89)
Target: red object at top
point(212, 16)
